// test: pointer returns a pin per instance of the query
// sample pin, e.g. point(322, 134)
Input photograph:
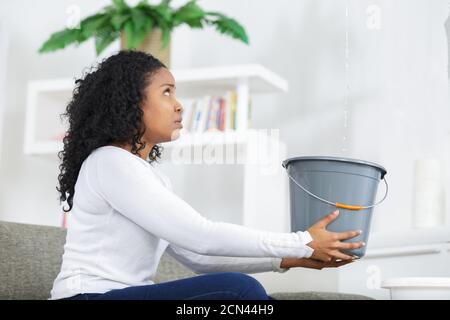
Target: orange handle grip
point(347, 206)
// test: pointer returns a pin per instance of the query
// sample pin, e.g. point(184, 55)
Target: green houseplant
point(136, 25)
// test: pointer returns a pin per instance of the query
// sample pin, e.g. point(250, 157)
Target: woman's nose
point(179, 107)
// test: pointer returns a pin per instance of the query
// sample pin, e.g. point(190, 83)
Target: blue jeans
point(212, 286)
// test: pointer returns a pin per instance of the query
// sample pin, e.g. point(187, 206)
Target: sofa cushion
point(30, 259)
point(170, 269)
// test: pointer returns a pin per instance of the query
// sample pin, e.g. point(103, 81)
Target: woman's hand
point(327, 244)
point(311, 263)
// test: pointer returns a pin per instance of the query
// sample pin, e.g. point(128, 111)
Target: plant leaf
point(165, 37)
point(190, 14)
point(163, 14)
point(140, 19)
point(133, 36)
point(120, 5)
point(228, 26)
point(61, 39)
point(104, 37)
point(118, 19)
point(129, 34)
point(143, 25)
point(93, 23)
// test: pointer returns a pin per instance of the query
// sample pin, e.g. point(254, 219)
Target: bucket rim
point(339, 159)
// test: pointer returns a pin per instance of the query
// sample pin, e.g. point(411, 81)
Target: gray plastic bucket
point(320, 185)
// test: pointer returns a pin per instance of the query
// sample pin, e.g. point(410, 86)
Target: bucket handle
point(338, 204)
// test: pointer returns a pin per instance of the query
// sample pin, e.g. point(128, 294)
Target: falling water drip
point(447, 30)
point(344, 148)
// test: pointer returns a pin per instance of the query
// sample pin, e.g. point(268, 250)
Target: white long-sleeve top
point(124, 217)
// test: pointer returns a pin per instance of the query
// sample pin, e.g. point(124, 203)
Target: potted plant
point(143, 27)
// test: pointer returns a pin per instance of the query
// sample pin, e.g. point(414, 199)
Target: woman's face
point(162, 111)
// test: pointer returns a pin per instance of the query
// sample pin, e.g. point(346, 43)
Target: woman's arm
point(132, 189)
point(206, 264)
point(310, 263)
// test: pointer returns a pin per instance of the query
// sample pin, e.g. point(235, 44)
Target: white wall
point(3, 63)
point(398, 90)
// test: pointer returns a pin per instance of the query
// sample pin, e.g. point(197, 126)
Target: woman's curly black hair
point(106, 108)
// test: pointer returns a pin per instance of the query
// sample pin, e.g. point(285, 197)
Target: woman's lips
point(179, 124)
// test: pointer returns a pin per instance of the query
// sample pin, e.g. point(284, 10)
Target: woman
point(125, 216)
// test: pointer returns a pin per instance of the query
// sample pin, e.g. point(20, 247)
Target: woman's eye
point(167, 90)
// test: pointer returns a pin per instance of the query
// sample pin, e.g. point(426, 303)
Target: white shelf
point(44, 147)
point(186, 140)
point(208, 138)
point(408, 237)
point(47, 100)
point(406, 251)
point(235, 137)
point(408, 242)
point(194, 82)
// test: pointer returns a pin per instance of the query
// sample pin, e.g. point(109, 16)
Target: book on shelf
point(211, 113)
point(203, 110)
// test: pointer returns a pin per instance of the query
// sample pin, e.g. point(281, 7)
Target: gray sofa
point(30, 258)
